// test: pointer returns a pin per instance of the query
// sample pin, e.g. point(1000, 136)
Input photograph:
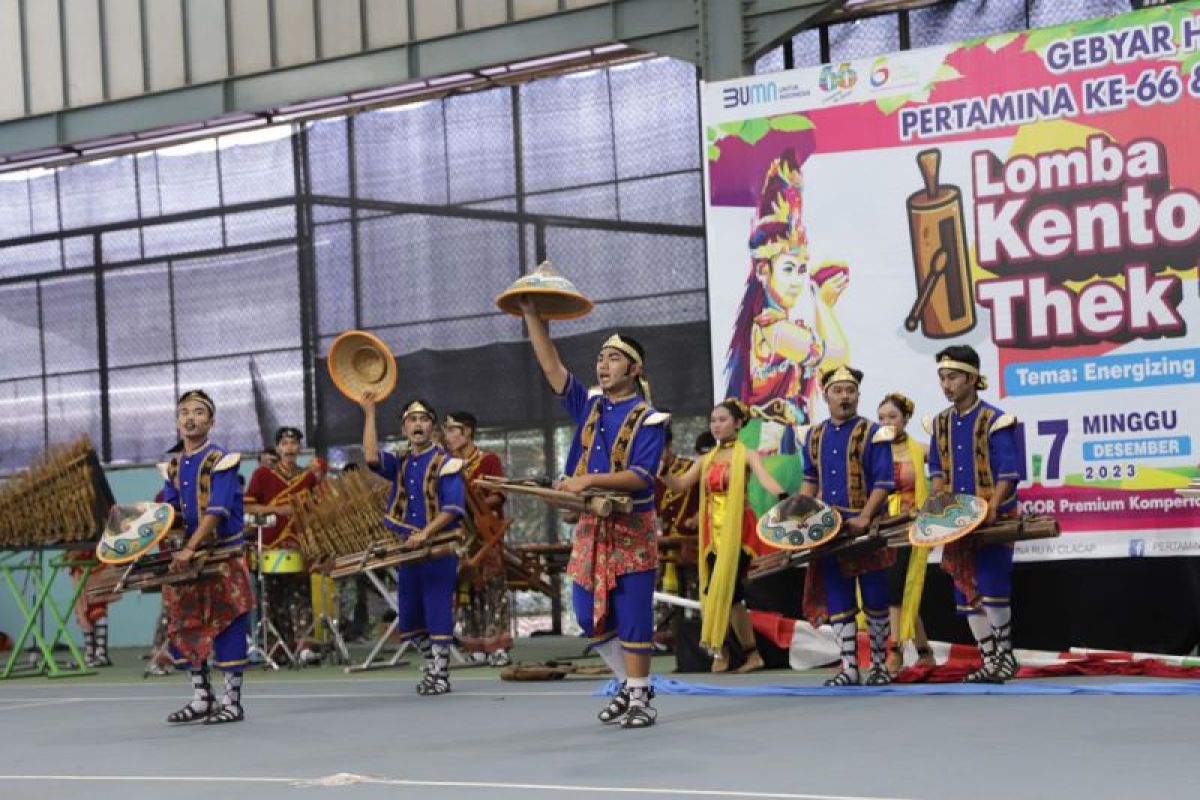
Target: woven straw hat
point(554, 296)
point(360, 362)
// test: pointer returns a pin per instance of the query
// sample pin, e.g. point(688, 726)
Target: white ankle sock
point(612, 655)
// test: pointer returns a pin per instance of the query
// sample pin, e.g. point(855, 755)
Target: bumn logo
point(735, 96)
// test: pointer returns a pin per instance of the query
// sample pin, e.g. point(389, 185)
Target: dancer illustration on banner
point(786, 330)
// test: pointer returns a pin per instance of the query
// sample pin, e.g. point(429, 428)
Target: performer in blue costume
point(617, 447)
point(974, 450)
point(848, 465)
point(427, 498)
point(207, 618)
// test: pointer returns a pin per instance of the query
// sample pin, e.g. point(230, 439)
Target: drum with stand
point(265, 639)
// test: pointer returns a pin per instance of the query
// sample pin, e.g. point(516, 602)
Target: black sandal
point(616, 708)
point(189, 714)
point(843, 678)
point(639, 717)
point(878, 676)
point(230, 713)
point(432, 685)
point(988, 673)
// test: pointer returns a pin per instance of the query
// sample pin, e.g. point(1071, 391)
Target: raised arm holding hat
point(426, 499)
point(974, 451)
point(617, 446)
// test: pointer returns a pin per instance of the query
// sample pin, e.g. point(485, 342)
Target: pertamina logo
point(880, 72)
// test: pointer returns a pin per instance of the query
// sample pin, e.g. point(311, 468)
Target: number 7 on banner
point(1056, 429)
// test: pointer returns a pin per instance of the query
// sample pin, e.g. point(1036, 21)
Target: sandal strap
point(229, 713)
point(433, 684)
point(988, 673)
point(189, 714)
point(639, 717)
point(843, 678)
point(878, 677)
point(617, 706)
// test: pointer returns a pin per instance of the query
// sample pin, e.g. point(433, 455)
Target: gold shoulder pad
point(802, 433)
point(657, 418)
point(885, 434)
point(927, 424)
point(228, 461)
point(1005, 421)
point(451, 466)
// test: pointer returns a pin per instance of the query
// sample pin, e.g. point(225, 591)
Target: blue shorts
point(993, 578)
point(630, 612)
point(840, 597)
point(425, 596)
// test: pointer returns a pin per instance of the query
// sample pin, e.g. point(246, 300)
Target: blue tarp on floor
point(672, 686)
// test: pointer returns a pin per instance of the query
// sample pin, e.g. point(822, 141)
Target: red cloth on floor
point(1090, 665)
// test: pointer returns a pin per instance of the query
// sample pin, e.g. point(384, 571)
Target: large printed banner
point(1035, 195)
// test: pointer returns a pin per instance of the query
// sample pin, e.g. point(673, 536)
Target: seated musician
point(270, 493)
point(483, 607)
point(426, 500)
point(848, 465)
point(207, 618)
point(974, 451)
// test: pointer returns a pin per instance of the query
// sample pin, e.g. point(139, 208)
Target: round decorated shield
point(799, 523)
point(133, 529)
point(945, 518)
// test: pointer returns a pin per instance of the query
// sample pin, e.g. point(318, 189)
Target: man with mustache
point(848, 465)
point(427, 498)
point(974, 451)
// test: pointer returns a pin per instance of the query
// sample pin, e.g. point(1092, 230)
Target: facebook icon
point(1137, 548)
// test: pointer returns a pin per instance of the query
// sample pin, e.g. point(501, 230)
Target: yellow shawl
point(716, 599)
point(914, 579)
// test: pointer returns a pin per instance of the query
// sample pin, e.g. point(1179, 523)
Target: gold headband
point(417, 407)
point(199, 398)
point(842, 373)
point(617, 343)
point(451, 422)
point(962, 366)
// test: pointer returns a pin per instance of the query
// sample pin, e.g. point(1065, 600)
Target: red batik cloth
point(958, 561)
point(606, 548)
point(197, 612)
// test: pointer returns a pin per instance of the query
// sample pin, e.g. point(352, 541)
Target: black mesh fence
point(231, 263)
